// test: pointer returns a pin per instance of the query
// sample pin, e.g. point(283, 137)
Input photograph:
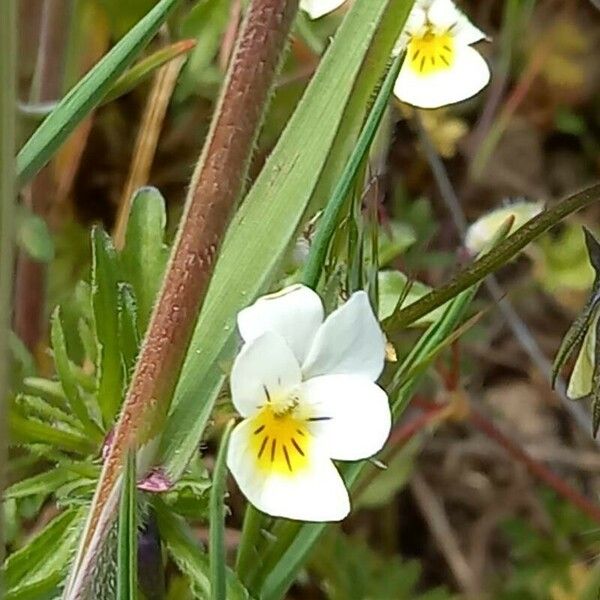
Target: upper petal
point(354, 415)
point(295, 313)
point(467, 75)
point(349, 341)
point(466, 32)
point(442, 13)
point(264, 369)
point(316, 493)
point(319, 8)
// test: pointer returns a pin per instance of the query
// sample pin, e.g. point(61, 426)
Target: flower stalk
point(215, 188)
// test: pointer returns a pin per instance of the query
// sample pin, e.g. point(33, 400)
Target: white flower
point(440, 67)
point(318, 8)
point(482, 232)
point(306, 390)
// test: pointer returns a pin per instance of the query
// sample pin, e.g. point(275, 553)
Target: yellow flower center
point(431, 52)
point(280, 440)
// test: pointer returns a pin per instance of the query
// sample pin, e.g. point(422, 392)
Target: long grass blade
point(218, 570)
point(128, 531)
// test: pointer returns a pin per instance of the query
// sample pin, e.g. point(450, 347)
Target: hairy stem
point(216, 185)
point(8, 54)
point(494, 259)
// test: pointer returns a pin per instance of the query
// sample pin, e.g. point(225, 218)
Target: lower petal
point(468, 74)
point(315, 493)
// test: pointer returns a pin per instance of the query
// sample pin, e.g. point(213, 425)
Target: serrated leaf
point(42, 484)
point(68, 379)
point(145, 254)
point(87, 94)
point(31, 430)
point(34, 562)
point(29, 406)
point(105, 305)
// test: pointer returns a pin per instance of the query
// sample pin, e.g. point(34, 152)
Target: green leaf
point(128, 332)
point(393, 286)
point(42, 484)
point(189, 557)
point(145, 254)
point(34, 563)
point(132, 78)
point(206, 22)
point(34, 237)
point(87, 94)
point(31, 430)
point(217, 521)
point(68, 379)
point(33, 406)
point(127, 588)
point(273, 211)
point(105, 305)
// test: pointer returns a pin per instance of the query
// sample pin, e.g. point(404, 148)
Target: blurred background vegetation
point(455, 513)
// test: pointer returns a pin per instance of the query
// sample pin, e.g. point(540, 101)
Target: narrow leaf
point(145, 253)
point(217, 521)
point(105, 306)
point(128, 332)
point(127, 588)
point(68, 379)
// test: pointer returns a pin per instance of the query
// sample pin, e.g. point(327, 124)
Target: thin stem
point(247, 551)
point(329, 220)
point(495, 259)
point(8, 68)
point(216, 185)
point(510, 315)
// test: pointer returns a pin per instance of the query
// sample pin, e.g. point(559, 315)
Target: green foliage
point(544, 555)
point(145, 253)
point(33, 571)
point(350, 570)
point(127, 588)
point(88, 93)
point(105, 304)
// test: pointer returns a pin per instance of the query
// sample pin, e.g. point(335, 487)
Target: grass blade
point(216, 552)
point(128, 531)
point(87, 94)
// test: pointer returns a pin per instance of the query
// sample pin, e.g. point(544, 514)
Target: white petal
point(317, 493)
point(295, 313)
point(264, 365)
point(442, 14)
point(468, 74)
point(416, 20)
point(580, 382)
point(349, 341)
point(318, 8)
point(358, 415)
point(465, 32)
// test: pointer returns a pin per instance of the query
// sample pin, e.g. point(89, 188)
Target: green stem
point(247, 551)
point(216, 548)
point(8, 68)
point(330, 217)
point(491, 262)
